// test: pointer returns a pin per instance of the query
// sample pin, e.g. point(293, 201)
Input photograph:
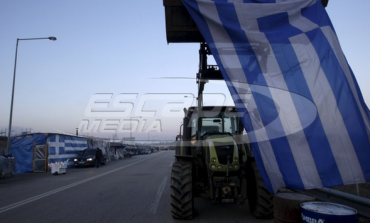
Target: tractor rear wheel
point(182, 200)
point(260, 200)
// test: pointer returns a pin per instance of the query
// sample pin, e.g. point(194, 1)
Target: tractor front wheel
point(182, 200)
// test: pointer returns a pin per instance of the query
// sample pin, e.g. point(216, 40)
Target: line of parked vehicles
point(87, 157)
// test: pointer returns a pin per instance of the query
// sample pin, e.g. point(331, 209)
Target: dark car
point(87, 157)
point(127, 153)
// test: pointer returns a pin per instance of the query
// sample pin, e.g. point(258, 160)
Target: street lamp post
point(12, 100)
point(131, 125)
point(148, 133)
point(153, 137)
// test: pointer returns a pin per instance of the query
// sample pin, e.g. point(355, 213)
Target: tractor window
point(229, 125)
point(220, 125)
point(214, 122)
point(211, 125)
point(194, 125)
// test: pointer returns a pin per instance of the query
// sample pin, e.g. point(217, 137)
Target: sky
point(115, 51)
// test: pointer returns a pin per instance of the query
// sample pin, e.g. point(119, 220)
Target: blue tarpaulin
point(60, 149)
point(22, 149)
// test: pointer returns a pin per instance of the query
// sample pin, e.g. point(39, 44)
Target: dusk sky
point(118, 49)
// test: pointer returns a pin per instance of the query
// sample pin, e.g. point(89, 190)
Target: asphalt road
point(135, 189)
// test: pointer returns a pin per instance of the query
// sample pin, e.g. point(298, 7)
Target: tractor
point(213, 159)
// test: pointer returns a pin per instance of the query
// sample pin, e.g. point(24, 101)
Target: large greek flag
point(301, 105)
point(64, 148)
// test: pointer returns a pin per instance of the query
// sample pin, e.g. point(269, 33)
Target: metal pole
point(148, 134)
point(130, 129)
point(131, 125)
point(11, 102)
point(12, 99)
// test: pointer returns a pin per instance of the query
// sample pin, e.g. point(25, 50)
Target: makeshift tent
point(33, 152)
point(117, 149)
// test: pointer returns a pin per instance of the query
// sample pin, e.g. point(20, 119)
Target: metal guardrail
point(362, 205)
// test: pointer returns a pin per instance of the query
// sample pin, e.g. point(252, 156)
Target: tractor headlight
point(236, 159)
point(213, 160)
point(213, 166)
point(220, 167)
point(236, 166)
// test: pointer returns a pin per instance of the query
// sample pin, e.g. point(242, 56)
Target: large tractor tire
point(182, 200)
point(260, 200)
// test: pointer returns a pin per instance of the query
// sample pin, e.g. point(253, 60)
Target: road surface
point(135, 189)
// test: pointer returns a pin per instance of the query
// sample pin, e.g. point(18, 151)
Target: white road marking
point(35, 198)
point(157, 199)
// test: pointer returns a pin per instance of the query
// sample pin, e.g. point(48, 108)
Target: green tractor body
point(212, 161)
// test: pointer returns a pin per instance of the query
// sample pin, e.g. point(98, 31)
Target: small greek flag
point(301, 105)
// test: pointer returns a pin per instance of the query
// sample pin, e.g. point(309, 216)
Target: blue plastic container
point(325, 212)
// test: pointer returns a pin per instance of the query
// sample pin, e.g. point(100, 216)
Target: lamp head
point(52, 38)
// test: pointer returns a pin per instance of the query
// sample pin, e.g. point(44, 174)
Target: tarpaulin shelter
point(117, 149)
point(33, 152)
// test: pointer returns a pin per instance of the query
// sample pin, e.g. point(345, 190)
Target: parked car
point(127, 153)
point(146, 151)
point(87, 157)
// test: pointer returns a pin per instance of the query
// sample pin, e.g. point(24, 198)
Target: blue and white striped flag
point(64, 148)
point(301, 105)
